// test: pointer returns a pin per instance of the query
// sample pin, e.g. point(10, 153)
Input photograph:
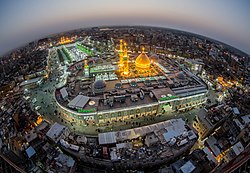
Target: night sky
point(22, 21)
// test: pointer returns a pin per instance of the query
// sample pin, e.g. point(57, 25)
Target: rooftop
point(172, 128)
point(137, 89)
point(31, 81)
point(55, 131)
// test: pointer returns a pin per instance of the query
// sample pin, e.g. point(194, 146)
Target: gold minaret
point(121, 55)
point(125, 60)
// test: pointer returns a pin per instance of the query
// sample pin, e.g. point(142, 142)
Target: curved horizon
point(23, 22)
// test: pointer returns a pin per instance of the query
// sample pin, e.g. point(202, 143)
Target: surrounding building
point(57, 132)
point(208, 120)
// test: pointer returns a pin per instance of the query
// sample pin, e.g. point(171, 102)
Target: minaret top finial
point(143, 48)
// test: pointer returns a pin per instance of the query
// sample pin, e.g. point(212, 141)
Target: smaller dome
point(147, 82)
point(99, 84)
point(154, 58)
point(160, 81)
point(133, 83)
point(118, 85)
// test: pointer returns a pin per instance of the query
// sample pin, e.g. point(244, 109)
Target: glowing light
point(38, 121)
point(84, 49)
point(143, 50)
point(65, 40)
point(125, 60)
point(121, 56)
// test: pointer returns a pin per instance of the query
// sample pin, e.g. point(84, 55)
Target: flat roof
point(246, 118)
point(204, 118)
point(106, 138)
point(238, 148)
point(64, 93)
point(236, 110)
point(195, 61)
point(164, 86)
point(30, 151)
point(211, 141)
point(151, 139)
point(190, 90)
point(163, 94)
point(174, 125)
point(31, 81)
point(82, 102)
point(209, 155)
point(188, 167)
point(55, 131)
point(103, 68)
point(127, 103)
point(73, 102)
point(177, 128)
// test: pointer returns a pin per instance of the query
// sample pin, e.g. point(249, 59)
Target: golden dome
point(142, 61)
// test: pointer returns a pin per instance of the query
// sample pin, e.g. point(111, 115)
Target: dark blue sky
point(22, 21)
